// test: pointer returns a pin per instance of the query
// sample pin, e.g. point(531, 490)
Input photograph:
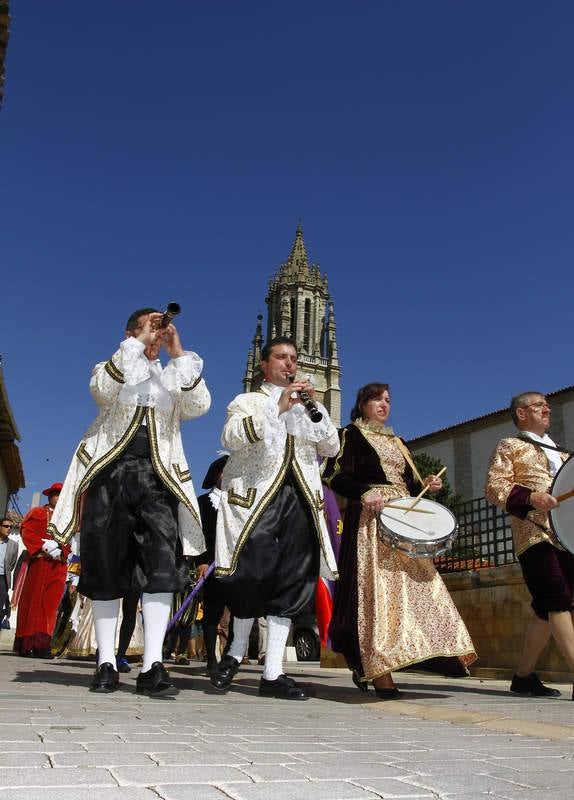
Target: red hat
point(55, 487)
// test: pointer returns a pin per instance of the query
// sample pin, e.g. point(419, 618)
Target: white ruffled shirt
point(215, 497)
point(147, 383)
point(554, 459)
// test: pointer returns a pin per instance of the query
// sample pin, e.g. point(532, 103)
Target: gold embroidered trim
point(245, 501)
point(96, 467)
point(83, 454)
point(469, 657)
point(114, 372)
point(249, 428)
point(265, 500)
point(183, 474)
point(337, 467)
point(166, 478)
point(193, 385)
point(374, 426)
point(313, 507)
point(319, 500)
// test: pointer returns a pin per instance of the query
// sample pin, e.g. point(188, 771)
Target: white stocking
point(156, 609)
point(105, 613)
point(277, 633)
point(241, 631)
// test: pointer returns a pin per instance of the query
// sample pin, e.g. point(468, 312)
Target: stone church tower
point(299, 306)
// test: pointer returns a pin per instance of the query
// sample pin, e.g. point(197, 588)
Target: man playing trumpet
point(129, 491)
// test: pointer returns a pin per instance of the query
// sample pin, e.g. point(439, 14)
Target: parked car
point(306, 639)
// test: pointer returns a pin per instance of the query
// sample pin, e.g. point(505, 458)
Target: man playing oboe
point(272, 537)
point(129, 491)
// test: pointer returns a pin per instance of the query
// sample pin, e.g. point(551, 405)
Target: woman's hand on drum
point(434, 483)
point(373, 501)
point(542, 501)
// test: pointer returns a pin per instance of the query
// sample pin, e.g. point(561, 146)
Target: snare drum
point(562, 517)
point(425, 532)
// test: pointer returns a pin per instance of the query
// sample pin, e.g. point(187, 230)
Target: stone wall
point(495, 606)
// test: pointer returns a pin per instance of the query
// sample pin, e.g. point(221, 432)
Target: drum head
point(562, 517)
point(427, 522)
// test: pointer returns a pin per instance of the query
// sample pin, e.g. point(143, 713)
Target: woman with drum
point(390, 610)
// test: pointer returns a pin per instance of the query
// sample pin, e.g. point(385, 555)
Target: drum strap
point(526, 438)
point(408, 458)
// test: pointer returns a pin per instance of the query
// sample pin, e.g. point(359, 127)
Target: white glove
point(50, 547)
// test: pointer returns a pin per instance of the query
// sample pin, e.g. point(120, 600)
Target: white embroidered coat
point(263, 446)
point(122, 387)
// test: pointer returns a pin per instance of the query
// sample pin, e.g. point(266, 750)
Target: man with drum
point(519, 477)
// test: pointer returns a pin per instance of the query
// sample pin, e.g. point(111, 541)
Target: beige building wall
point(495, 606)
point(482, 445)
point(465, 449)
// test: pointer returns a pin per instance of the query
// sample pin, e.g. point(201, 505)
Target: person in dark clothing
point(129, 613)
point(213, 592)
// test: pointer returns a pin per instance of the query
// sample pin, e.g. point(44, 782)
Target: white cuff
point(299, 423)
point(182, 372)
point(135, 365)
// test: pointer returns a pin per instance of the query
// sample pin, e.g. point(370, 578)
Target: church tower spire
point(299, 306)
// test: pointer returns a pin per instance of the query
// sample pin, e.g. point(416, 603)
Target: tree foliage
point(429, 465)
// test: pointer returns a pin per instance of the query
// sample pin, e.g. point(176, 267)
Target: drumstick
point(424, 491)
point(402, 508)
point(565, 496)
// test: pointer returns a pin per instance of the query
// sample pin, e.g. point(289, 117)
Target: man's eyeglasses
point(537, 405)
point(6, 525)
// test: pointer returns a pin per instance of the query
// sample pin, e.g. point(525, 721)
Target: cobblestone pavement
point(455, 739)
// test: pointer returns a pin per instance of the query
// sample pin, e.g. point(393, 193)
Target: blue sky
point(165, 151)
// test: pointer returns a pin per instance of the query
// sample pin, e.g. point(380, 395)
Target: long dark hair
point(370, 391)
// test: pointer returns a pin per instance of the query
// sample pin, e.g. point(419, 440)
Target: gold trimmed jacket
point(114, 427)
point(516, 469)
point(263, 447)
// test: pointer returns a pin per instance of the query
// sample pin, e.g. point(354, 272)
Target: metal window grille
point(484, 538)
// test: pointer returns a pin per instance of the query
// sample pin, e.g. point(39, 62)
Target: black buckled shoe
point(155, 682)
point(283, 687)
point(223, 674)
point(105, 679)
point(533, 686)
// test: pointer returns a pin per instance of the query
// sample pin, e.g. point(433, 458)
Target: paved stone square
point(454, 739)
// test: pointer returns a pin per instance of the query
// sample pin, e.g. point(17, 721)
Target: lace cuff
point(299, 424)
point(182, 372)
point(135, 365)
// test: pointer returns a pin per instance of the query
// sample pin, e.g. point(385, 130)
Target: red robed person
point(44, 583)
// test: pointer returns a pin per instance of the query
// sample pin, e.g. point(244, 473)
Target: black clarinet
point(172, 310)
point(309, 404)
